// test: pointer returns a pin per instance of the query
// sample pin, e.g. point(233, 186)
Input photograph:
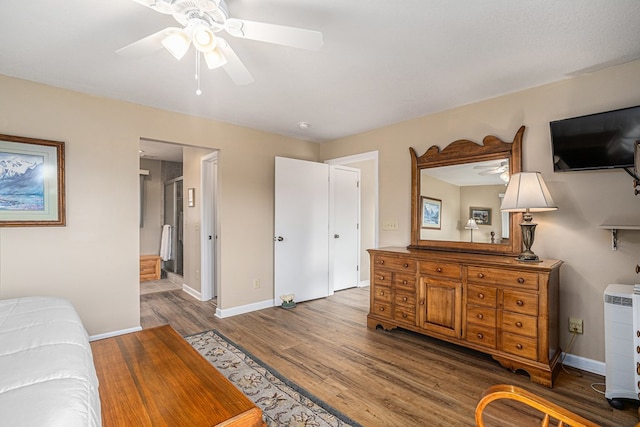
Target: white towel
point(165, 243)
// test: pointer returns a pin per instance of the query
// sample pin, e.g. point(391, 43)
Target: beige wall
point(586, 199)
point(93, 261)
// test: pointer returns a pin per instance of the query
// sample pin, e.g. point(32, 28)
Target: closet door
point(301, 238)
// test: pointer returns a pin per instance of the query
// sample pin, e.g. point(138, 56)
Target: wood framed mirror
point(462, 182)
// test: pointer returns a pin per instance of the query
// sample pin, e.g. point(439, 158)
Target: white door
point(208, 237)
point(345, 233)
point(301, 241)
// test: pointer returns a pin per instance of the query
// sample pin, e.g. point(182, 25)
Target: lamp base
point(528, 229)
point(528, 257)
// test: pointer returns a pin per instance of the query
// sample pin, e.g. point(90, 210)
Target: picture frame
point(431, 213)
point(191, 197)
point(32, 189)
point(482, 216)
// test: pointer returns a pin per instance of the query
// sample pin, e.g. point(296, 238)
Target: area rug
point(283, 403)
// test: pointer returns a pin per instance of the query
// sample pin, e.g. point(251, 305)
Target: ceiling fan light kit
point(201, 20)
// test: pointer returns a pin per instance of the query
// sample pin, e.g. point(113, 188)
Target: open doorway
point(173, 197)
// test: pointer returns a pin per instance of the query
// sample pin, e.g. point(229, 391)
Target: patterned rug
point(282, 402)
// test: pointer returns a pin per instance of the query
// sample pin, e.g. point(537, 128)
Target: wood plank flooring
point(379, 378)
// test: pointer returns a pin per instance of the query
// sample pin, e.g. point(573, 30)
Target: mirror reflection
point(461, 203)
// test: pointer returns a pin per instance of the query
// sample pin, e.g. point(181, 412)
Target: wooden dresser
point(490, 303)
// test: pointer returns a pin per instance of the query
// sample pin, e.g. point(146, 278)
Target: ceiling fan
point(201, 20)
point(493, 169)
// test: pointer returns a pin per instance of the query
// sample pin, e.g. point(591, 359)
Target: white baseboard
point(114, 333)
point(244, 309)
point(589, 365)
point(197, 295)
point(363, 283)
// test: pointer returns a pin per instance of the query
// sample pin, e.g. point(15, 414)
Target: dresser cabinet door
point(440, 306)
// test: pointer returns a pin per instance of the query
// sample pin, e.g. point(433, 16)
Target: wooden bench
point(155, 378)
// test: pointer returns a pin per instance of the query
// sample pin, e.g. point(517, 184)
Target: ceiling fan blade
point(157, 5)
point(148, 44)
point(277, 34)
point(234, 66)
point(491, 172)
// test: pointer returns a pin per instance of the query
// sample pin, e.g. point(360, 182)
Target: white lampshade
point(471, 224)
point(214, 59)
point(177, 43)
point(527, 192)
point(203, 38)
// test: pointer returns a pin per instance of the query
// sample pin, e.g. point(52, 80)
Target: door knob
point(336, 236)
point(279, 238)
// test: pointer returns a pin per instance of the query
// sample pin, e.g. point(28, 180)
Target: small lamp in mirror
point(527, 193)
point(471, 225)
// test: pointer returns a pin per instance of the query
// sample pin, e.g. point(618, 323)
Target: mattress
point(47, 376)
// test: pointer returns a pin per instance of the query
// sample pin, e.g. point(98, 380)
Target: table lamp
point(527, 193)
point(471, 225)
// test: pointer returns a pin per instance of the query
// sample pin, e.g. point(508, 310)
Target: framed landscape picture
point(482, 216)
point(31, 182)
point(431, 212)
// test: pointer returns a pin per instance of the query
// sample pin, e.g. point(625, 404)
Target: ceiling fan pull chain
point(198, 91)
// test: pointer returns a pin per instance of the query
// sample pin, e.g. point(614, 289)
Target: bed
point(47, 375)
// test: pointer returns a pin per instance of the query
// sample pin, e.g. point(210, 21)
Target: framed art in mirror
point(31, 182)
point(470, 179)
point(431, 212)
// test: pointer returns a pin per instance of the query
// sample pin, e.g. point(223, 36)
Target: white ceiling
point(382, 61)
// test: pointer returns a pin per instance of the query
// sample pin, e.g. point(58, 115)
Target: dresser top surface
point(468, 258)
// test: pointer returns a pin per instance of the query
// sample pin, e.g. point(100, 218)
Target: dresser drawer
point(520, 302)
point(481, 335)
point(401, 264)
point(497, 276)
point(520, 324)
point(481, 295)
point(382, 277)
point(405, 280)
point(441, 269)
point(519, 345)
point(381, 309)
point(405, 298)
point(382, 294)
point(405, 314)
point(484, 316)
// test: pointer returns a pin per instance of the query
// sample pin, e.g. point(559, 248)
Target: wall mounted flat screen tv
point(597, 141)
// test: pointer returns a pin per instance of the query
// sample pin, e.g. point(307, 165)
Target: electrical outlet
point(256, 283)
point(575, 325)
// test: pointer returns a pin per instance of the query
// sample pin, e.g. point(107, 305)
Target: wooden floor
point(378, 378)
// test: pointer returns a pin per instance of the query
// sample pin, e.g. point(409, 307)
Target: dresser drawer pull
point(381, 261)
point(404, 299)
point(404, 282)
point(422, 302)
point(481, 275)
point(638, 334)
point(480, 336)
point(638, 368)
point(381, 308)
point(519, 346)
point(519, 303)
point(520, 280)
point(480, 295)
point(381, 277)
point(439, 269)
point(480, 316)
point(519, 324)
point(405, 265)
point(638, 349)
point(404, 315)
point(381, 293)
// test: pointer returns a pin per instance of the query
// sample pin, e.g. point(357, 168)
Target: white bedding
point(47, 376)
